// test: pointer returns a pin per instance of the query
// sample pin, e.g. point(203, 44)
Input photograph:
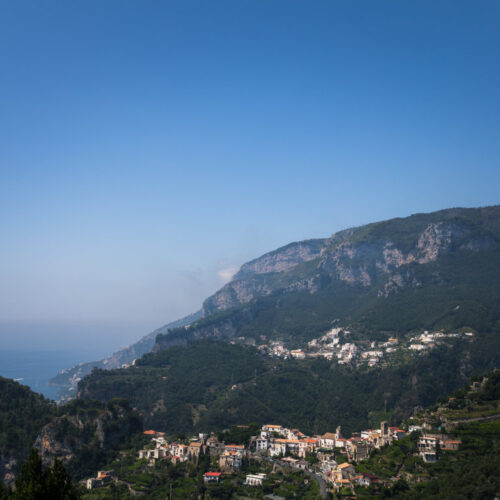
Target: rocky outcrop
point(235, 293)
point(382, 257)
point(282, 259)
point(380, 254)
point(8, 466)
point(256, 278)
point(51, 443)
point(71, 436)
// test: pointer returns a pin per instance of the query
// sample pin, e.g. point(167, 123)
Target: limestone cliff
point(87, 429)
point(378, 254)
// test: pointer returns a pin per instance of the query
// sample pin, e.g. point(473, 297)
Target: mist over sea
point(37, 367)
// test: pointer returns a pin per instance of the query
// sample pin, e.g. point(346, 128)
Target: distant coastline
point(35, 368)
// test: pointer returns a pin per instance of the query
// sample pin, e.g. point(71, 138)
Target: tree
point(35, 483)
point(32, 481)
point(4, 493)
point(59, 483)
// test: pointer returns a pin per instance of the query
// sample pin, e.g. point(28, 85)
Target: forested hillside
point(82, 434)
point(211, 385)
point(22, 415)
point(469, 415)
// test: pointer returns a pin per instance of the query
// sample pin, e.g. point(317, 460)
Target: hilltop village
point(329, 459)
point(337, 345)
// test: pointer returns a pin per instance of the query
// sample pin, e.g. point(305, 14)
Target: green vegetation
point(208, 386)
point(38, 483)
point(185, 480)
point(22, 415)
point(174, 388)
point(95, 432)
point(90, 432)
point(470, 472)
point(203, 385)
point(459, 290)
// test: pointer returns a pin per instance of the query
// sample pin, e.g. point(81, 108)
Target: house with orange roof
point(272, 427)
point(327, 441)
point(230, 460)
point(234, 447)
point(347, 470)
point(211, 477)
point(450, 445)
point(103, 478)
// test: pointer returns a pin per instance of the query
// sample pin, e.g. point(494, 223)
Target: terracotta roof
point(344, 465)
point(212, 474)
point(328, 435)
point(149, 433)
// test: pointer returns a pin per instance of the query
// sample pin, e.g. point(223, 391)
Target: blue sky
point(148, 147)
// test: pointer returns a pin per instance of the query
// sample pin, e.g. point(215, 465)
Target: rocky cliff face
point(282, 259)
point(382, 260)
point(379, 254)
point(7, 467)
point(52, 444)
point(255, 278)
point(375, 262)
point(85, 431)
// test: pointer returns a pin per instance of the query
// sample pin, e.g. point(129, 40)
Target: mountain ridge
point(438, 231)
point(385, 256)
point(452, 255)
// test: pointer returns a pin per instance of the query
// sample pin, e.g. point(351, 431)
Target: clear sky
point(149, 147)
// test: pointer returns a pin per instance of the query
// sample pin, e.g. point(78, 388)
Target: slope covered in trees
point(208, 385)
point(22, 414)
point(471, 416)
point(82, 434)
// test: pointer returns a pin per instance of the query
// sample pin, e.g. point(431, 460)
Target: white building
point(255, 479)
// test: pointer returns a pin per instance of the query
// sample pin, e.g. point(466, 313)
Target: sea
point(36, 368)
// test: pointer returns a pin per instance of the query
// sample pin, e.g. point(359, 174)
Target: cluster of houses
point(427, 341)
point(230, 456)
point(330, 347)
point(335, 345)
point(288, 447)
point(279, 442)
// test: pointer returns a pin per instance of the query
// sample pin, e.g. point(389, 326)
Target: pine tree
point(32, 481)
point(35, 483)
point(59, 483)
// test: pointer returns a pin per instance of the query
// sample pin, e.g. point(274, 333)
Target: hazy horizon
point(148, 150)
